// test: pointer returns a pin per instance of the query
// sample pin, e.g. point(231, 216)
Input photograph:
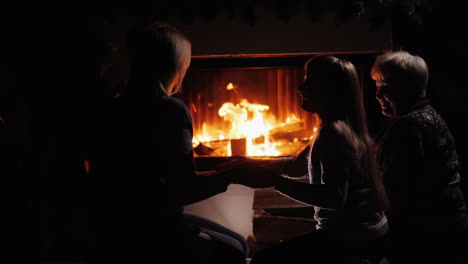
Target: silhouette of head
point(159, 54)
point(331, 89)
point(401, 78)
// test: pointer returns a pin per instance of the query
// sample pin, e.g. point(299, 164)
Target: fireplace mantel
point(231, 36)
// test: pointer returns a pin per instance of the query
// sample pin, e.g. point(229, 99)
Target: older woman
point(420, 167)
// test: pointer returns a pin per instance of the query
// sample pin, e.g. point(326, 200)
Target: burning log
point(238, 147)
point(291, 132)
point(288, 132)
point(284, 131)
point(290, 136)
point(287, 128)
point(203, 150)
point(212, 148)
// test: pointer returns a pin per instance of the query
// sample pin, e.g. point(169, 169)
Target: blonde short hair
point(162, 52)
point(403, 71)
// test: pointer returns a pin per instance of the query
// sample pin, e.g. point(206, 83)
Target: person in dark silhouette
point(344, 185)
point(145, 165)
point(44, 187)
point(419, 164)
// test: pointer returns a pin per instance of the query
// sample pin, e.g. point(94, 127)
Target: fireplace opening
point(250, 108)
point(250, 105)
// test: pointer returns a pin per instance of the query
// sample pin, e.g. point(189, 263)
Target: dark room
point(234, 132)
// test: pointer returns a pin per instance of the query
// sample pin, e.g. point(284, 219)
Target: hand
point(234, 163)
point(254, 173)
point(229, 169)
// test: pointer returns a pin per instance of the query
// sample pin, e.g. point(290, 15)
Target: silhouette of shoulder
point(337, 141)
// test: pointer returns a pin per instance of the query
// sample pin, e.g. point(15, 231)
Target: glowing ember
point(230, 86)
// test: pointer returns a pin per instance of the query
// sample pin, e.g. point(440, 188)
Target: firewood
point(203, 150)
point(287, 128)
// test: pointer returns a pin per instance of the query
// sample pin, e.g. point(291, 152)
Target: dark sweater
point(420, 168)
point(144, 173)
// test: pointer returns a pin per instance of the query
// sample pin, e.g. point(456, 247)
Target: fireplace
point(250, 106)
point(251, 109)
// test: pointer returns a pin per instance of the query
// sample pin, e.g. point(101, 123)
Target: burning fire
point(250, 121)
point(254, 125)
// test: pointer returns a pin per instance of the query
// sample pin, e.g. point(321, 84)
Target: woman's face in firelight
point(309, 91)
point(385, 98)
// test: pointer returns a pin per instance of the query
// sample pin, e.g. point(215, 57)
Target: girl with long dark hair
point(344, 185)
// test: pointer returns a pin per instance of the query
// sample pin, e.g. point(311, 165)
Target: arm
point(185, 184)
point(331, 163)
point(330, 195)
point(296, 167)
point(199, 186)
point(263, 173)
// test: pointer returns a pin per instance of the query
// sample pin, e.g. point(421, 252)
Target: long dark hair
point(341, 97)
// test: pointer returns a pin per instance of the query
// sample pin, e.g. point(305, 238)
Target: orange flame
point(230, 86)
point(254, 124)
